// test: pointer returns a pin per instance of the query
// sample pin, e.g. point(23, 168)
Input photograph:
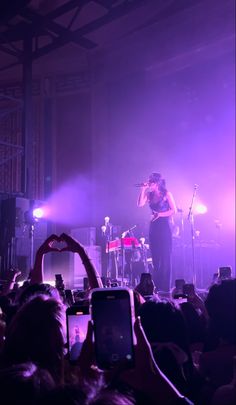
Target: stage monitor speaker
point(78, 271)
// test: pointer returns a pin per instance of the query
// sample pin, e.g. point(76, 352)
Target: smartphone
point(146, 285)
point(188, 289)
point(77, 318)
point(179, 283)
point(59, 283)
point(225, 272)
point(113, 317)
point(69, 298)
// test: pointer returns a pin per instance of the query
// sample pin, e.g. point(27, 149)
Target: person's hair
point(195, 324)
point(163, 322)
point(154, 178)
point(36, 333)
point(93, 393)
point(33, 290)
point(164, 326)
point(24, 383)
point(111, 397)
point(220, 304)
point(162, 186)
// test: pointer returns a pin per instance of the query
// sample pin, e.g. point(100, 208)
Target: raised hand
point(47, 245)
point(146, 376)
point(74, 246)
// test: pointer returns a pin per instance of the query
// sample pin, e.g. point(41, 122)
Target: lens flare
point(38, 213)
point(200, 209)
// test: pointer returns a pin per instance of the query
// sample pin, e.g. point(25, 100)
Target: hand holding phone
point(146, 376)
point(113, 318)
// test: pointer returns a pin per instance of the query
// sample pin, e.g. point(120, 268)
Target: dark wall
point(70, 202)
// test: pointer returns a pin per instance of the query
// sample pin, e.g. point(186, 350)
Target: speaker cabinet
point(86, 236)
point(19, 241)
point(78, 271)
point(13, 216)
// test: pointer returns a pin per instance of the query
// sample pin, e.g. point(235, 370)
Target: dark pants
point(160, 241)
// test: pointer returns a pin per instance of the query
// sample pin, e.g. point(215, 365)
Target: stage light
point(200, 209)
point(38, 213)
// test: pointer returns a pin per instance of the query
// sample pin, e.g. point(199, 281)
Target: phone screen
point(77, 325)
point(179, 283)
point(112, 313)
point(224, 272)
point(188, 289)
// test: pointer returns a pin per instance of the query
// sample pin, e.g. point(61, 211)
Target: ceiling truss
point(37, 26)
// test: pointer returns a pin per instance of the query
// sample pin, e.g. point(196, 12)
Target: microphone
point(141, 185)
point(196, 186)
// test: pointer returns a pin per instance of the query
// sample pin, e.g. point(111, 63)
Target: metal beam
point(5, 40)
point(9, 66)
point(105, 3)
point(67, 7)
point(12, 156)
point(18, 149)
point(11, 145)
point(9, 51)
point(6, 112)
point(47, 23)
point(113, 14)
point(42, 25)
point(6, 96)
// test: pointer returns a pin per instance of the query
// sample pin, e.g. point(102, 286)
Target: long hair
point(162, 187)
point(156, 178)
point(36, 334)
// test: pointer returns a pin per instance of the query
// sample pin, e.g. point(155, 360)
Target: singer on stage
point(163, 206)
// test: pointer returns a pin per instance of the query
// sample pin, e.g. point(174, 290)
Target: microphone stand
point(191, 220)
point(108, 235)
point(31, 237)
